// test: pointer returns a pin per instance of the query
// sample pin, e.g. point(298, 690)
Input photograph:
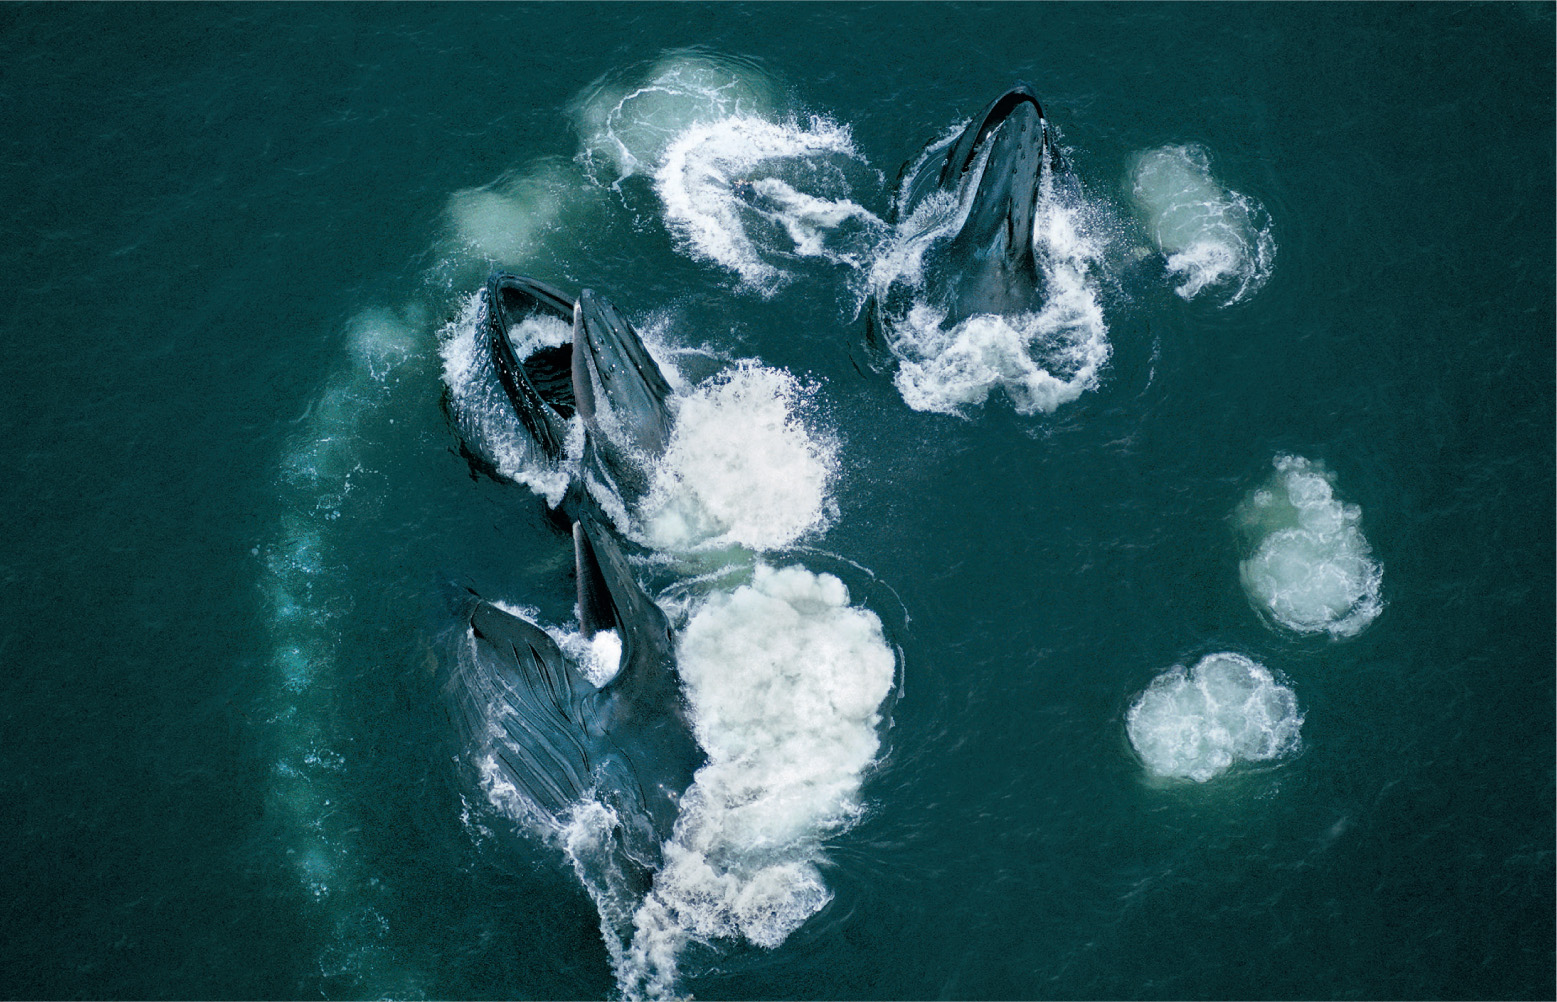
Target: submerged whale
point(986, 261)
point(521, 705)
point(605, 376)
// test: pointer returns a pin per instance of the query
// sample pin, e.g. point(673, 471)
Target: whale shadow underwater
point(529, 718)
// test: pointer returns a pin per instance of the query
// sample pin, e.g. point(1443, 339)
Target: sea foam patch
point(744, 466)
point(1198, 722)
point(1213, 237)
point(745, 193)
point(785, 681)
point(1309, 567)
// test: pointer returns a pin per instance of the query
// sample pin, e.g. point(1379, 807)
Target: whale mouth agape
point(539, 383)
point(609, 355)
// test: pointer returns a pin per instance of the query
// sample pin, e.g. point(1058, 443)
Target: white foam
point(785, 680)
point(1196, 724)
point(1040, 359)
point(484, 414)
point(1212, 236)
point(1310, 568)
point(630, 125)
point(705, 167)
point(743, 467)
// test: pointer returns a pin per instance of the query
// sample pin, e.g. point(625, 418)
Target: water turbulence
point(1308, 566)
point(1213, 237)
point(1044, 345)
point(751, 195)
point(1197, 723)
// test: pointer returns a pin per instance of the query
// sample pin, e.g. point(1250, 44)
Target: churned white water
point(629, 125)
point(1196, 723)
point(1213, 237)
point(744, 466)
point(785, 681)
point(1309, 567)
point(482, 411)
point(1040, 359)
point(745, 193)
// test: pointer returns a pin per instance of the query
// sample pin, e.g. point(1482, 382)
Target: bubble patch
point(1212, 236)
point(1197, 723)
point(1310, 568)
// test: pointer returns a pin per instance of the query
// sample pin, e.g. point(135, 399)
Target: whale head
point(995, 169)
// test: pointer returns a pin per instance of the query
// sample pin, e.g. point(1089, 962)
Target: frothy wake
point(748, 464)
point(1213, 237)
point(785, 681)
point(1310, 567)
point(745, 193)
point(1040, 359)
point(1196, 723)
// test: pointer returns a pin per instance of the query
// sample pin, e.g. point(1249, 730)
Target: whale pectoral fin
point(595, 610)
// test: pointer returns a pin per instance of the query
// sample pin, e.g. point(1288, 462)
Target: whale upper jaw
point(622, 396)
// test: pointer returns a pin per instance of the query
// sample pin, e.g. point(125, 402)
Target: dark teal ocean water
point(235, 235)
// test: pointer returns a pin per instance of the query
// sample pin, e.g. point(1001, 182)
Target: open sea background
point(232, 236)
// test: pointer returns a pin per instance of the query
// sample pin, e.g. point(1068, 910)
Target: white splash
point(631, 125)
point(1196, 724)
point(785, 681)
point(1212, 236)
point(743, 467)
point(1310, 569)
point(1040, 359)
point(745, 193)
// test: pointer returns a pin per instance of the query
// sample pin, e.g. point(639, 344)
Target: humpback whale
point(521, 704)
point(605, 376)
point(995, 170)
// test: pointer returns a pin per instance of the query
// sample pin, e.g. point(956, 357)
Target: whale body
point(522, 705)
point(995, 170)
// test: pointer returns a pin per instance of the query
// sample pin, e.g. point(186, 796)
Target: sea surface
point(1190, 637)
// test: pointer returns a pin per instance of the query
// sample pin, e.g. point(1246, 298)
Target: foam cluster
point(1197, 723)
point(630, 125)
point(1213, 237)
point(785, 680)
point(743, 467)
point(1310, 567)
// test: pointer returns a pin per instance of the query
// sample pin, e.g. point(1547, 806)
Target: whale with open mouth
point(603, 375)
point(983, 260)
point(535, 724)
